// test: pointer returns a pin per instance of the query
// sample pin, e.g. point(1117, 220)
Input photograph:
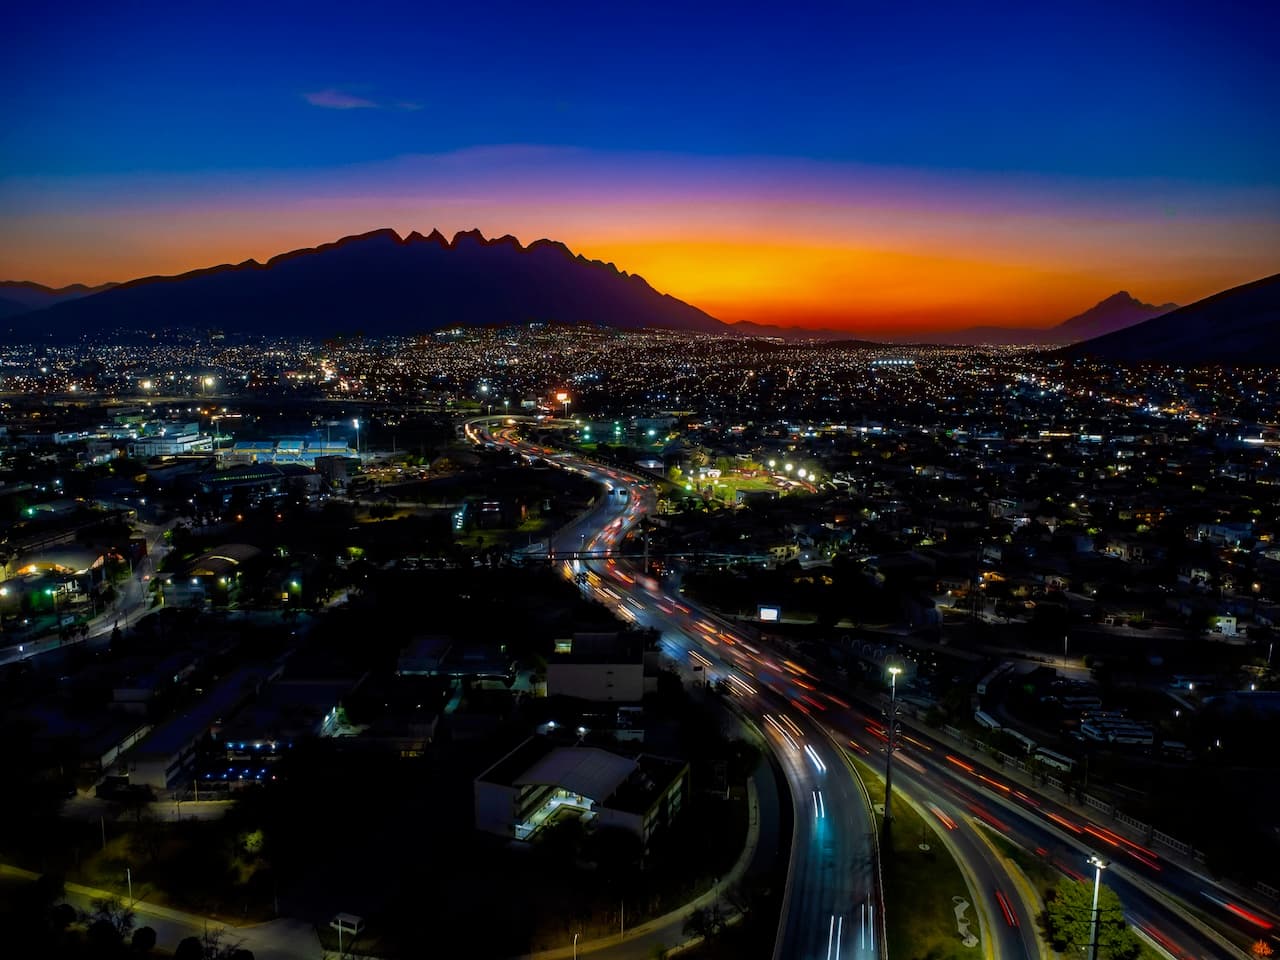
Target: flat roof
point(517, 761)
point(177, 733)
point(285, 708)
point(587, 771)
point(652, 777)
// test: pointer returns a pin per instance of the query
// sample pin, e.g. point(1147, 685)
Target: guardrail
point(1148, 831)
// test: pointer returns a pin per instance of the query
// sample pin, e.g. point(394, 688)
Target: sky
point(876, 167)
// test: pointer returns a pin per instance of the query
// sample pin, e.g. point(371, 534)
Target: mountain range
point(22, 296)
point(381, 284)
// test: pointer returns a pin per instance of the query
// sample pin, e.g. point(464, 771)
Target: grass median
point(1044, 877)
point(918, 884)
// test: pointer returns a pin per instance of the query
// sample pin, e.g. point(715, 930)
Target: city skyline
point(997, 168)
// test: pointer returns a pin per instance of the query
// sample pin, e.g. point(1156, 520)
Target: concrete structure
point(602, 667)
point(134, 691)
point(258, 481)
point(222, 561)
point(541, 780)
point(165, 755)
point(286, 450)
point(170, 444)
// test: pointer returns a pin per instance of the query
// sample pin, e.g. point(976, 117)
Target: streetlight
point(893, 736)
point(356, 423)
point(575, 945)
point(1098, 865)
point(128, 875)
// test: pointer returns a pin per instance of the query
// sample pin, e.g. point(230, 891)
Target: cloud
point(334, 99)
point(337, 100)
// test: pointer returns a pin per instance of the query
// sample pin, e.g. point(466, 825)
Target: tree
point(144, 940)
point(112, 912)
point(1068, 921)
point(148, 837)
point(62, 916)
point(189, 949)
point(109, 923)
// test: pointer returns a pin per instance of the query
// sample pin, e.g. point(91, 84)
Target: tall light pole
point(893, 739)
point(575, 946)
point(128, 875)
point(356, 423)
point(1098, 865)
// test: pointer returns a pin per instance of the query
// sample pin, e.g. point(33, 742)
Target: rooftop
point(587, 771)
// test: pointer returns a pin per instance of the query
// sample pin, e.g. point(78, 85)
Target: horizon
point(981, 172)
point(450, 240)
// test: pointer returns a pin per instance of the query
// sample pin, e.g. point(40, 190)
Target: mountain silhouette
point(380, 284)
point(22, 296)
point(1116, 312)
point(1240, 325)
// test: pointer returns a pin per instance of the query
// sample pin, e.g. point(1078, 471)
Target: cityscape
point(688, 530)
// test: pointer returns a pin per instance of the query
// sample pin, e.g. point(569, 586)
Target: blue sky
point(110, 101)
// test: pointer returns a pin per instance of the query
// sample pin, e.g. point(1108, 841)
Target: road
point(283, 939)
point(130, 605)
point(1175, 906)
point(832, 905)
point(1156, 891)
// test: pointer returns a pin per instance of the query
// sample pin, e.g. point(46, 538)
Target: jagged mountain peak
point(383, 284)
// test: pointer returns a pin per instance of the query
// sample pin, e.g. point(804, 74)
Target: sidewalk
point(141, 907)
point(279, 939)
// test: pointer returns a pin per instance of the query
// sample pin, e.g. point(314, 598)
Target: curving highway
point(832, 906)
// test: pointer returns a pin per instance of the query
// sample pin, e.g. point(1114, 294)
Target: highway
point(832, 905)
point(968, 792)
point(1178, 909)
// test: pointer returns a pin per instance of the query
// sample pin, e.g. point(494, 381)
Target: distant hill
point(21, 296)
point(1240, 325)
point(1118, 311)
point(380, 284)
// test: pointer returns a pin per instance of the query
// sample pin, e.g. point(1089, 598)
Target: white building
point(601, 667)
point(170, 445)
point(540, 781)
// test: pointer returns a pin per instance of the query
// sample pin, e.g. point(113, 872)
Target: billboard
point(770, 614)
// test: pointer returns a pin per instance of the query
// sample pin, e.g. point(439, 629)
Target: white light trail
point(817, 761)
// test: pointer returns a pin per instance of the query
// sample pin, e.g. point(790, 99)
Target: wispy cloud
point(332, 99)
